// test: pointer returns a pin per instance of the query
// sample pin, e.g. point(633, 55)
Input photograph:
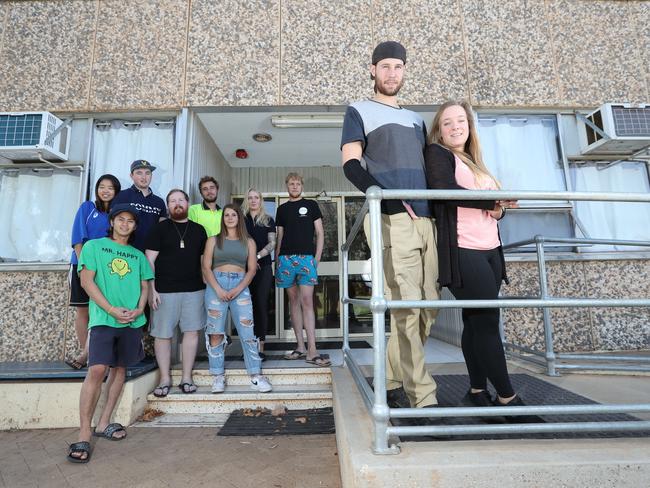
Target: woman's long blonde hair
point(262, 218)
point(471, 154)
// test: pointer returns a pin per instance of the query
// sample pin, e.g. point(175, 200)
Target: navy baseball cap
point(123, 207)
point(141, 163)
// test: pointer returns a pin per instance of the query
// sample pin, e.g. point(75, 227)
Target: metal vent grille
point(20, 129)
point(631, 122)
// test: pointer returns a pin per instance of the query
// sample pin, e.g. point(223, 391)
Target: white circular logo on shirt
point(302, 210)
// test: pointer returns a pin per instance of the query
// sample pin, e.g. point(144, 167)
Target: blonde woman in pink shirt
point(471, 262)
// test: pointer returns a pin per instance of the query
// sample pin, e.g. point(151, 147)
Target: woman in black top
point(261, 228)
point(471, 262)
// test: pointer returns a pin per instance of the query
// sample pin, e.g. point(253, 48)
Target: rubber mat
point(260, 422)
point(534, 391)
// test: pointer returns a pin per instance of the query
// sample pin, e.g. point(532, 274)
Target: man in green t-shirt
point(207, 213)
point(114, 274)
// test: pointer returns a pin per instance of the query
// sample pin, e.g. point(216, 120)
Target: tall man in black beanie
point(391, 140)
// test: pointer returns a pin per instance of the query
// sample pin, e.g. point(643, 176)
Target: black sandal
point(111, 429)
point(79, 447)
point(188, 388)
point(163, 391)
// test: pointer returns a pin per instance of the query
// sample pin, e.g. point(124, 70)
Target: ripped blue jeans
point(241, 309)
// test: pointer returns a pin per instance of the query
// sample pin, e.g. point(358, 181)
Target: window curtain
point(613, 220)
point(522, 153)
point(38, 207)
point(116, 144)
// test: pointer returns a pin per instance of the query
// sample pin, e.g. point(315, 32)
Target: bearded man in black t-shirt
point(297, 222)
point(174, 248)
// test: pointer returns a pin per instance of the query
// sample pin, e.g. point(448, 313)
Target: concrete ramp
point(508, 463)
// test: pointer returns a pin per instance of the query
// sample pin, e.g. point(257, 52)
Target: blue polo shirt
point(150, 209)
point(89, 223)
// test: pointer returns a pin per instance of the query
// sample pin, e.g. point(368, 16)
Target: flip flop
point(188, 388)
point(79, 447)
point(295, 354)
point(76, 364)
point(111, 429)
point(319, 361)
point(163, 391)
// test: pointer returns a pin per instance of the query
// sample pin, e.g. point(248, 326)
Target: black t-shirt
point(260, 235)
point(297, 218)
point(178, 269)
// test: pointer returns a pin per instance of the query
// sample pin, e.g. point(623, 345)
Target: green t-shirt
point(209, 219)
point(118, 271)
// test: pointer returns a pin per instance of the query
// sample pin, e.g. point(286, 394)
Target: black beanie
point(389, 49)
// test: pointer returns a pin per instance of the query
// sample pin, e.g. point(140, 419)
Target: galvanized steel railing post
point(345, 297)
point(546, 314)
point(380, 412)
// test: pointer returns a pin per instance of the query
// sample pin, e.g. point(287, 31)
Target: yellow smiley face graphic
point(120, 267)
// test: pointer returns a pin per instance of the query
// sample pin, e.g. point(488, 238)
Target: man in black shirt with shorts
point(297, 221)
point(174, 248)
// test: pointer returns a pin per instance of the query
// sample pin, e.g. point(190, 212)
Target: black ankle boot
point(480, 399)
point(519, 419)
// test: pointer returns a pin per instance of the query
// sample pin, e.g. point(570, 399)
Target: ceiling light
point(331, 121)
point(262, 137)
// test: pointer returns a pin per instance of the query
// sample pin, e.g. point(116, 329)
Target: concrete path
point(169, 457)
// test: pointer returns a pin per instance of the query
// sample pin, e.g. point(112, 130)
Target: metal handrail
point(376, 400)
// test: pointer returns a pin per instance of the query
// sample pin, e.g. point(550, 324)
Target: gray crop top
point(232, 252)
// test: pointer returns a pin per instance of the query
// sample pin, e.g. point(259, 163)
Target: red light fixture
point(241, 154)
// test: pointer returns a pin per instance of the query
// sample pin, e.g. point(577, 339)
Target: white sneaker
point(261, 383)
point(219, 384)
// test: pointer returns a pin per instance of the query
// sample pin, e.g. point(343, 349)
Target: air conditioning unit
point(23, 135)
point(626, 129)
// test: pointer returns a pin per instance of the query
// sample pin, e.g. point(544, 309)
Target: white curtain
point(522, 153)
point(118, 143)
point(38, 209)
point(613, 220)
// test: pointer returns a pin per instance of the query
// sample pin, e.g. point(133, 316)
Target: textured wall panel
point(619, 328)
point(139, 54)
point(430, 31)
point(233, 53)
point(34, 308)
point(326, 49)
point(597, 53)
point(509, 63)
point(46, 55)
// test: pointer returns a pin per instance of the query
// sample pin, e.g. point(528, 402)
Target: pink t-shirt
point(477, 229)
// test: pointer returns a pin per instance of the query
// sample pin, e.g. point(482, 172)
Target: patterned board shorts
point(296, 269)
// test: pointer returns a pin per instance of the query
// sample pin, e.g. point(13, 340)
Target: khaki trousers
point(410, 273)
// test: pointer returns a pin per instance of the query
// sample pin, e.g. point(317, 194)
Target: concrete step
point(277, 376)
point(186, 420)
point(242, 396)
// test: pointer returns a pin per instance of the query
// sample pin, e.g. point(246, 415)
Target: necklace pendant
point(182, 244)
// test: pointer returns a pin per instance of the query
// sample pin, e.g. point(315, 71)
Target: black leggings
point(481, 273)
point(260, 288)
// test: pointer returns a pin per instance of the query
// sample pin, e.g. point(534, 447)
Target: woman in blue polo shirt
point(91, 222)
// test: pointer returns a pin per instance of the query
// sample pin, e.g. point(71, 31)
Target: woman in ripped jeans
point(229, 264)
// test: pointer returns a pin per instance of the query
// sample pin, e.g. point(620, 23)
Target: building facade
point(185, 83)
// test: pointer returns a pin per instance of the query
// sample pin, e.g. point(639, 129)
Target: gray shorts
point(186, 309)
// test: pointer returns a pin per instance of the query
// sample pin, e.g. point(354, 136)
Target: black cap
point(141, 163)
point(389, 49)
point(123, 207)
